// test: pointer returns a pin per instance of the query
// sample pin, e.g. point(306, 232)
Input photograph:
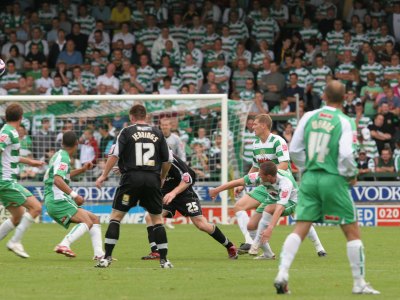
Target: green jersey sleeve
point(5, 140)
point(252, 179)
point(61, 167)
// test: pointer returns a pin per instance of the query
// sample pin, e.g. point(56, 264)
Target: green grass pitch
point(202, 269)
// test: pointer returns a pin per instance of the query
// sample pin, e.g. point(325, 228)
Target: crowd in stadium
point(266, 52)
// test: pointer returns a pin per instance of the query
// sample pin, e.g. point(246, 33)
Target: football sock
point(220, 237)
point(266, 248)
point(76, 232)
point(25, 223)
point(355, 253)
point(289, 250)
point(243, 220)
point(112, 236)
point(150, 236)
point(265, 220)
point(313, 236)
point(160, 236)
point(5, 228)
point(97, 243)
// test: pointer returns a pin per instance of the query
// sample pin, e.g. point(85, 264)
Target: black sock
point(160, 236)
point(112, 236)
point(221, 238)
point(150, 236)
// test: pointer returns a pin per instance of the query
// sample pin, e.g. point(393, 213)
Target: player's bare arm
point(283, 165)
point(111, 161)
point(176, 191)
point(31, 162)
point(229, 185)
point(164, 171)
point(85, 167)
point(266, 236)
point(63, 186)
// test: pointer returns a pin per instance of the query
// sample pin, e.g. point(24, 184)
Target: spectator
point(12, 41)
point(392, 101)
point(197, 32)
point(349, 105)
point(127, 37)
point(138, 15)
point(329, 55)
point(369, 145)
point(241, 53)
point(160, 11)
point(159, 43)
point(240, 76)
point(56, 48)
point(146, 73)
point(190, 73)
point(266, 28)
point(167, 88)
point(222, 74)
point(70, 56)
point(65, 23)
point(57, 88)
point(210, 37)
point(23, 88)
point(365, 164)
point(199, 162)
point(202, 139)
point(86, 21)
point(89, 149)
point(43, 46)
point(211, 12)
point(392, 69)
point(318, 74)
point(109, 80)
point(248, 93)
point(35, 71)
point(101, 11)
point(203, 119)
point(360, 119)
point(287, 133)
point(371, 67)
point(80, 39)
point(195, 52)
point(264, 53)
point(43, 139)
point(214, 159)
point(34, 54)
point(106, 141)
point(229, 44)
point(369, 93)
point(15, 55)
point(393, 22)
point(385, 162)
point(273, 85)
point(52, 34)
point(149, 33)
point(379, 133)
point(173, 140)
point(9, 81)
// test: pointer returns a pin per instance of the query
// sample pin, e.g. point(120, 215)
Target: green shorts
point(61, 211)
point(325, 198)
point(13, 194)
point(261, 194)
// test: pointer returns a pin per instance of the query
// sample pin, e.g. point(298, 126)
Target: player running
point(179, 196)
point(144, 161)
point(276, 194)
point(14, 196)
point(63, 204)
point(324, 143)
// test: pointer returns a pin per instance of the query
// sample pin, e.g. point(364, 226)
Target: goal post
point(232, 117)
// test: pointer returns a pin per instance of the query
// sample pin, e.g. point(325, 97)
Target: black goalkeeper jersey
point(178, 172)
point(140, 147)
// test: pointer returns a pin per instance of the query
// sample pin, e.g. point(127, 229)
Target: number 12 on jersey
point(144, 154)
point(318, 144)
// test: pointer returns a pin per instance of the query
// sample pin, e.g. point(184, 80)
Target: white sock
point(5, 228)
point(313, 236)
point(243, 220)
point(76, 232)
point(265, 220)
point(355, 253)
point(267, 249)
point(289, 250)
point(97, 243)
point(25, 223)
point(252, 234)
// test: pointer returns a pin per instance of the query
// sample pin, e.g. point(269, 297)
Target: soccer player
point(324, 143)
point(63, 204)
point(179, 196)
point(277, 196)
point(144, 161)
point(14, 196)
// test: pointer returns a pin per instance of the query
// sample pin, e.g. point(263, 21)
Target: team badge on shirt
point(125, 199)
point(3, 138)
point(186, 178)
point(63, 167)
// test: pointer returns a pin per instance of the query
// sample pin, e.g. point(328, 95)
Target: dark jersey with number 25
point(140, 147)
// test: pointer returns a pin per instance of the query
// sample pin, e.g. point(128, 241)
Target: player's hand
point(169, 197)
point(79, 200)
point(238, 190)
point(353, 182)
point(99, 181)
point(37, 163)
point(88, 166)
point(266, 235)
point(213, 193)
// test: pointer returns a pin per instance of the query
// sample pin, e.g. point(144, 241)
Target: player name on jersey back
point(145, 135)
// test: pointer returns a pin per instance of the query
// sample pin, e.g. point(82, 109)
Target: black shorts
point(139, 188)
point(187, 203)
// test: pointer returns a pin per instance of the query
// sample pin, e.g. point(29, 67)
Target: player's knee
point(201, 225)
point(16, 219)
point(35, 208)
point(251, 226)
point(95, 219)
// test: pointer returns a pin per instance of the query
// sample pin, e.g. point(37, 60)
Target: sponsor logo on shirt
point(284, 147)
point(63, 166)
point(3, 138)
point(186, 178)
point(284, 194)
point(125, 199)
point(326, 116)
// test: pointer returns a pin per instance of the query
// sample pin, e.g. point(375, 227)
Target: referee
point(144, 161)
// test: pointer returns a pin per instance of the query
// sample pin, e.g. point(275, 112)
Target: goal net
point(210, 128)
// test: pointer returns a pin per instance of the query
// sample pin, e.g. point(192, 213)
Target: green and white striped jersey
point(176, 83)
point(73, 86)
point(87, 24)
point(364, 122)
point(209, 40)
point(9, 155)
point(248, 139)
point(197, 34)
point(375, 68)
point(319, 79)
point(353, 48)
point(148, 35)
point(373, 34)
point(274, 149)
point(334, 39)
point(147, 75)
point(137, 16)
point(345, 68)
point(284, 189)
point(89, 77)
point(191, 74)
point(197, 55)
point(308, 33)
point(265, 30)
point(389, 70)
point(59, 165)
point(180, 34)
point(359, 39)
point(229, 44)
point(174, 56)
point(370, 148)
point(10, 78)
point(247, 95)
point(304, 77)
point(238, 31)
point(225, 71)
point(246, 55)
point(326, 140)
